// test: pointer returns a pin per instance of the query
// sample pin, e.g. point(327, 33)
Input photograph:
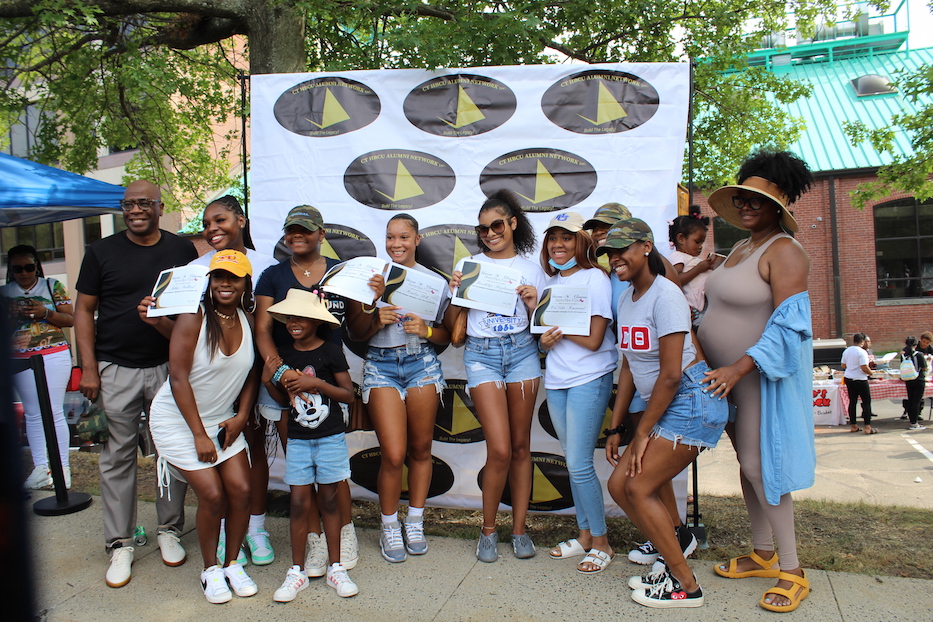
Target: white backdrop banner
point(362, 146)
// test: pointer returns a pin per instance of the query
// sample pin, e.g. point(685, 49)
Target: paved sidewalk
point(447, 584)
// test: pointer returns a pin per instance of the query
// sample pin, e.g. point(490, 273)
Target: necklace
point(752, 247)
point(307, 271)
point(228, 318)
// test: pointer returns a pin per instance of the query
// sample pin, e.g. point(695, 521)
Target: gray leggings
point(770, 523)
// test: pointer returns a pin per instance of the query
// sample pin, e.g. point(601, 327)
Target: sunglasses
point(755, 203)
point(29, 267)
point(144, 204)
point(497, 227)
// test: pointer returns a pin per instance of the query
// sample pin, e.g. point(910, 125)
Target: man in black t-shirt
point(124, 362)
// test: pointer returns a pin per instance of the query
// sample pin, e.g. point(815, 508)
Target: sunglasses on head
point(29, 267)
point(497, 227)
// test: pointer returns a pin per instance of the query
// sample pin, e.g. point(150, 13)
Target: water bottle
point(139, 536)
point(412, 341)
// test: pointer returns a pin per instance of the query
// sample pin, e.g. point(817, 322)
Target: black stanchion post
point(63, 502)
point(693, 518)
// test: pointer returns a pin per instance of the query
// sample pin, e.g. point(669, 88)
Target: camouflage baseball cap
point(304, 216)
point(608, 214)
point(625, 233)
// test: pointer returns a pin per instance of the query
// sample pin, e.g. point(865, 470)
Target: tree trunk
point(276, 37)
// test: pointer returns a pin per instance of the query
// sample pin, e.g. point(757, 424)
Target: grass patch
point(843, 537)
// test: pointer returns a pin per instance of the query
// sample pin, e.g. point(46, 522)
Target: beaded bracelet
point(280, 372)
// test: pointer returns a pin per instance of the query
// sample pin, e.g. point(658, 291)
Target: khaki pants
point(126, 393)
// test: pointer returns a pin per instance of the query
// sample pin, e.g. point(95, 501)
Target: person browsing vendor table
point(857, 368)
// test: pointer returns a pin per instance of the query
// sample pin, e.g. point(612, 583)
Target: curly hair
point(505, 201)
point(687, 224)
point(782, 168)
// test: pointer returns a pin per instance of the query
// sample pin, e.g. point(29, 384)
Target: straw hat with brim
point(608, 214)
point(232, 261)
point(721, 202)
point(625, 233)
point(302, 303)
point(569, 221)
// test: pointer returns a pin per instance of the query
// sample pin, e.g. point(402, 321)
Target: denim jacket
point(784, 357)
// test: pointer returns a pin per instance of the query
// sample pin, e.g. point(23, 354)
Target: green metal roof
point(824, 145)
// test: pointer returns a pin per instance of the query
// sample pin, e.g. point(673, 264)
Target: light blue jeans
point(577, 414)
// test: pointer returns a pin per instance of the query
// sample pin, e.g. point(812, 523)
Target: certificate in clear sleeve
point(488, 287)
point(564, 306)
point(350, 279)
point(414, 291)
point(178, 290)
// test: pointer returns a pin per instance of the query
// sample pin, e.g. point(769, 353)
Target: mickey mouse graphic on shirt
point(310, 408)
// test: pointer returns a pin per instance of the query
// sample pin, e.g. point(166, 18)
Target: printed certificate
point(350, 279)
point(178, 290)
point(414, 291)
point(488, 287)
point(564, 306)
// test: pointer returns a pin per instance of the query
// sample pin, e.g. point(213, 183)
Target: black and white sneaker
point(646, 554)
point(657, 575)
point(668, 594)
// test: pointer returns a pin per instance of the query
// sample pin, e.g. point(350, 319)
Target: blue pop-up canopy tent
point(32, 194)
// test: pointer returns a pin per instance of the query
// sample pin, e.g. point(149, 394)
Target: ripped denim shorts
point(395, 368)
point(693, 418)
point(508, 359)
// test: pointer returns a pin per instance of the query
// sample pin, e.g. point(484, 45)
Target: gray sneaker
point(486, 550)
point(391, 543)
point(522, 546)
point(414, 535)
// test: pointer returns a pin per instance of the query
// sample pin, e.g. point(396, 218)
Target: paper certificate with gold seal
point(414, 291)
point(564, 306)
point(178, 290)
point(488, 287)
point(350, 279)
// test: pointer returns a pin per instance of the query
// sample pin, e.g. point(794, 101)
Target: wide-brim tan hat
point(302, 303)
point(721, 202)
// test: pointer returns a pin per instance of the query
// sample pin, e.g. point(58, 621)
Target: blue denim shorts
point(508, 359)
point(317, 460)
point(693, 418)
point(395, 368)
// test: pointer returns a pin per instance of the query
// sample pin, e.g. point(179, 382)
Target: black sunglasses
point(497, 227)
point(755, 203)
point(29, 267)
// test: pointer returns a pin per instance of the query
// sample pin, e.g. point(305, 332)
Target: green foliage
point(912, 173)
point(108, 74)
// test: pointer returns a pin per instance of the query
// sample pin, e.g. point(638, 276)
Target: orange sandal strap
point(794, 594)
point(765, 567)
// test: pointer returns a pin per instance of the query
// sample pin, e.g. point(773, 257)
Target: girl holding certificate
point(503, 370)
point(578, 379)
point(680, 420)
point(402, 384)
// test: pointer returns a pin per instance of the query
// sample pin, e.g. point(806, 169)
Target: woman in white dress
point(199, 413)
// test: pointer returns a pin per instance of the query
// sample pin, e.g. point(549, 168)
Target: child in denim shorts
point(311, 377)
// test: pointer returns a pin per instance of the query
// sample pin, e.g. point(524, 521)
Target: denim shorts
point(395, 368)
point(317, 460)
point(508, 359)
point(693, 418)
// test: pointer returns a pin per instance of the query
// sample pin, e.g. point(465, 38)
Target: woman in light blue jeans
point(578, 379)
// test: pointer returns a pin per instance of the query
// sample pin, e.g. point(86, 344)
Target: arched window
point(904, 248)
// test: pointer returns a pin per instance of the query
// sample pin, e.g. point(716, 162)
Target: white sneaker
point(121, 566)
point(67, 471)
point(260, 548)
point(173, 554)
point(295, 581)
point(338, 579)
point(349, 547)
point(40, 477)
point(916, 426)
point(316, 555)
point(215, 587)
point(239, 581)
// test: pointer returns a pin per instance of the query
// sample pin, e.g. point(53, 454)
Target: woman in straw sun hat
point(757, 337)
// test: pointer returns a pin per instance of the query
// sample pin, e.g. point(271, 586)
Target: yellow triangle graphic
point(461, 419)
point(404, 478)
point(546, 187)
point(405, 185)
point(467, 111)
point(333, 112)
point(542, 490)
point(607, 108)
point(460, 250)
point(328, 251)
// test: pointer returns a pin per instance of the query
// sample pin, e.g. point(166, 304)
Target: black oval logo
point(545, 180)
point(327, 106)
point(600, 102)
point(456, 420)
point(364, 471)
point(397, 179)
point(459, 105)
point(544, 418)
point(550, 484)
